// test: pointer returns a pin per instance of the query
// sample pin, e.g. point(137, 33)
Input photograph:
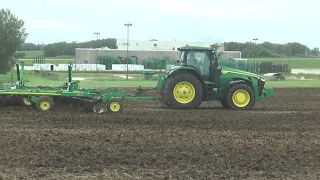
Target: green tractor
point(198, 77)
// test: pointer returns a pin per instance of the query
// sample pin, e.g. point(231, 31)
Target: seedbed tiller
point(43, 98)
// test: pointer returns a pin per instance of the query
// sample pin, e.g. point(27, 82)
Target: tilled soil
point(279, 138)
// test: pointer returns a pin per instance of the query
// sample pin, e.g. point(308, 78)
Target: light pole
point(255, 53)
point(97, 33)
point(128, 25)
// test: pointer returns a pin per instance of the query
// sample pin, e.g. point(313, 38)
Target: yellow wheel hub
point(241, 98)
point(115, 106)
point(26, 101)
point(45, 105)
point(184, 92)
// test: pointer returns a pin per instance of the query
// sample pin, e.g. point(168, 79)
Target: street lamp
point(255, 53)
point(97, 33)
point(128, 25)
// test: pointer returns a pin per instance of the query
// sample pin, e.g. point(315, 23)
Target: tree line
point(248, 49)
point(64, 48)
point(268, 49)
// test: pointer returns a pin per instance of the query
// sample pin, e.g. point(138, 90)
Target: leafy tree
point(30, 47)
point(19, 55)
point(63, 48)
point(12, 36)
point(268, 49)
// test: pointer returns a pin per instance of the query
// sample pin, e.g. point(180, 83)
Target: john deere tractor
point(198, 77)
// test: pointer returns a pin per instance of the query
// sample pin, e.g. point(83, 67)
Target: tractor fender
point(192, 71)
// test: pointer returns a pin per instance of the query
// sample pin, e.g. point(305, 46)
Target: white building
point(157, 45)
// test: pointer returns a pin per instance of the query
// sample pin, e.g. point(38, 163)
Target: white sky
point(278, 21)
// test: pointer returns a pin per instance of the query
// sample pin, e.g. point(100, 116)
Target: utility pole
point(128, 26)
point(97, 33)
point(255, 54)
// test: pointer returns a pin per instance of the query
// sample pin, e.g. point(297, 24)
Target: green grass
point(102, 80)
point(295, 63)
point(35, 81)
point(293, 84)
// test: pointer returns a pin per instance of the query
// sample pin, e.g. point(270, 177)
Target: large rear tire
point(183, 91)
point(240, 97)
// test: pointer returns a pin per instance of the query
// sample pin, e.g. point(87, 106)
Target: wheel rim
point(241, 98)
point(26, 101)
point(184, 92)
point(45, 105)
point(115, 106)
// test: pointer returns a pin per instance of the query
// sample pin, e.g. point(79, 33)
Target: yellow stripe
point(30, 93)
point(225, 72)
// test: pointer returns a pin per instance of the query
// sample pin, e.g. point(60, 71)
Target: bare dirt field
point(278, 139)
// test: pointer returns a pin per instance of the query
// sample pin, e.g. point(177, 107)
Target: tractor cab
point(202, 59)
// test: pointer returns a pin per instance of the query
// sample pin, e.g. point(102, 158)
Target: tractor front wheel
point(240, 96)
point(183, 91)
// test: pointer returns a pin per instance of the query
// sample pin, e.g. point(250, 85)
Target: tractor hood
point(227, 70)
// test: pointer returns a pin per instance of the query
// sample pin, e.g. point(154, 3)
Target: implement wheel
point(25, 101)
point(98, 108)
point(115, 106)
point(45, 104)
point(183, 90)
point(240, 96)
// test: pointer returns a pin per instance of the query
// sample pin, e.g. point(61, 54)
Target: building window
point(154, 44)
point(137, 44)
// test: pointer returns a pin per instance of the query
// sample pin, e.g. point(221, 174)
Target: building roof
point(195, 48)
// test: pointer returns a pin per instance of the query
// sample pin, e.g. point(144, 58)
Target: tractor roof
point(197, 48)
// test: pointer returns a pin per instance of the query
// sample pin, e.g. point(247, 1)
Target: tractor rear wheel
point(240, 96)
point(183, 91)
point(45, 103)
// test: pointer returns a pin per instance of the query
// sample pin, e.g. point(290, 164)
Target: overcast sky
point(278, 21)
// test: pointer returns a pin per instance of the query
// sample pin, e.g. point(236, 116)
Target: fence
point(255, 67)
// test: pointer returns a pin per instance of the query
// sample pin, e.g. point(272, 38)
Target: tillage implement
point(197, 77)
